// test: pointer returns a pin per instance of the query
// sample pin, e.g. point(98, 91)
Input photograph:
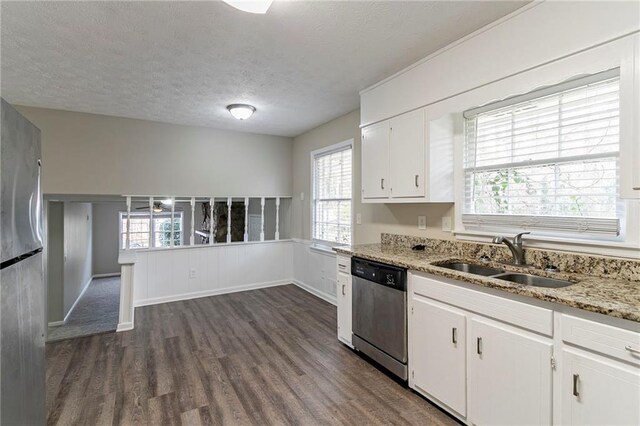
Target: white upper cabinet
point(629, 111)
point(408, 159)
point(406, 155)
point(375, 161)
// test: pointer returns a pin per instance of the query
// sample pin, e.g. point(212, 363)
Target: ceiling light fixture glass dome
point(251, 6)
point(241, 111)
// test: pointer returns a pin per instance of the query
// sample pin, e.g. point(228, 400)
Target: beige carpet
point(96, 311)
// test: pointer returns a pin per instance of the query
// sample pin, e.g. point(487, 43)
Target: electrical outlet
point(446, 223)
point(422, 222)
point(192, 273)
point(358, 219)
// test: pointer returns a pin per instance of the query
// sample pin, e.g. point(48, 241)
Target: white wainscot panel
point(315, 270)
point(178, 274)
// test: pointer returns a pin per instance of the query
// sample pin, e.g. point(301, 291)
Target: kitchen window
point(331, 204)
point(547, 161)
point(142, 227)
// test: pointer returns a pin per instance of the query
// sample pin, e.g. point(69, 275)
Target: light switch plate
point(422, 222)
point(302, 196)
point(358, 219)
point(446, 223)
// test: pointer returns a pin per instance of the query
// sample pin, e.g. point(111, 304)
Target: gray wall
point(77, 250)
point(55, 260)
point(96, 154)
point(106, 237)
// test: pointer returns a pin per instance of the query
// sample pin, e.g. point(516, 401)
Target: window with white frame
point(331, 194)
point(547, 161)
point(142, 228)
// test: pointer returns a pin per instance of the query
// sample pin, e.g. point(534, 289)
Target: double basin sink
point(514, 277)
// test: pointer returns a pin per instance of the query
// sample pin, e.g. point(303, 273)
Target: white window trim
point(322, 245)
point(618, 53)
point(123, 215)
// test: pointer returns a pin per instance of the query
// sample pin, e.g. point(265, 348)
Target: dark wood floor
point(259, 357)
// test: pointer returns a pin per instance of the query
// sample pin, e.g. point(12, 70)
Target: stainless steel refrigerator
point(22, 292)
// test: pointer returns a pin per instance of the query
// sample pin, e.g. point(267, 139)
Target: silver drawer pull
point(417, 180)
point(576, 377)
point(454, 335)
point(632, 349)
point(382, 183)
point(343, 293)
point(479, 346)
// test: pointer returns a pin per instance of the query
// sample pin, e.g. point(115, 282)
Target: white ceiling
point(301, 64)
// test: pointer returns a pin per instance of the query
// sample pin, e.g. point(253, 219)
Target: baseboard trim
point(55, 323)
point(86, 286)
point(124, 326)
point(113, 274)
point(321, 294)
point(207, 293)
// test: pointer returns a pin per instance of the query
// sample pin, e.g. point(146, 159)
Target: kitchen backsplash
point(609, 267)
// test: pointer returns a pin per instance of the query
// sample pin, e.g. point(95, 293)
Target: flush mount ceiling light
point(241, 111)
point(251, 6)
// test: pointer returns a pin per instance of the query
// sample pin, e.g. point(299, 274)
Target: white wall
point(97, 154)
point(376, 218)
point(77, 251)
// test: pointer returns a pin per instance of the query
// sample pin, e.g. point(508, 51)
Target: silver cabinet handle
point(479, 345)
point(343, 293)
point(454, 335)
point(417, 180)
point(382, 183)
point(576, 377)
point(632, 349)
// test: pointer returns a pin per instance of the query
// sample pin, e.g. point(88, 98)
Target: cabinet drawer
point(605, 339)
point(520, 314)
point(344, 264)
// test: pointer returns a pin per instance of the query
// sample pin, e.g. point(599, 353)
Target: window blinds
point(332, 196)
point(547, 160)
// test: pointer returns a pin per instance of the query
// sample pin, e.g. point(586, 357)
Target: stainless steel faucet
point(515, 246)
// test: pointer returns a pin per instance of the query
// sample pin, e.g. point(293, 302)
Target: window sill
point(322, 248)
point(589, 247)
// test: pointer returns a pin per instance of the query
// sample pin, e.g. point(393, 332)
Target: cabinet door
point(344, 308)
point(406, 154)
point(375, 161)
point(438, 352)
point(509, 376)
point(599, 391)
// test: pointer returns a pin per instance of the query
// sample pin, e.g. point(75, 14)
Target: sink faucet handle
point(518, 238)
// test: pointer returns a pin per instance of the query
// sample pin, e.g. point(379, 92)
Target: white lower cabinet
point(509, 375)
point(439, 352)
point(344, 308)
point(598, 391)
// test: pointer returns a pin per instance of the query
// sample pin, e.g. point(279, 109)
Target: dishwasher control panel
point(379, 273)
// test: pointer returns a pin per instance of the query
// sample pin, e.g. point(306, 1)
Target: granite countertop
point(612, 297)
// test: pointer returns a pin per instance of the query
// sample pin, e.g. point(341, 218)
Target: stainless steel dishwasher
point(380, 313)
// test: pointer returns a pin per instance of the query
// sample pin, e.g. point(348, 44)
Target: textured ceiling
point(301, 64)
